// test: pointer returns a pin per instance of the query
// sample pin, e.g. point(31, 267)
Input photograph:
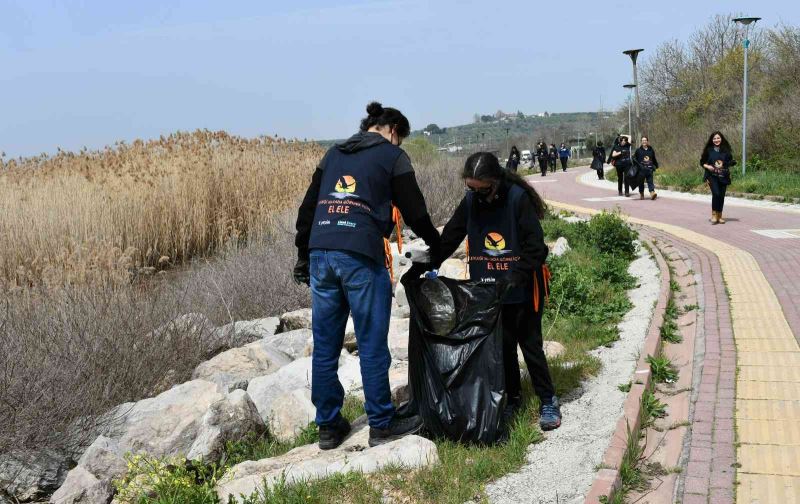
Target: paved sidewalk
point(761, 271)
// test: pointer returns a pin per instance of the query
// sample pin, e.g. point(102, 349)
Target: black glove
point(418, 268)
point(301, 272)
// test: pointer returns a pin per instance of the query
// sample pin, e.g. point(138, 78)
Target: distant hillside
point(490, 132)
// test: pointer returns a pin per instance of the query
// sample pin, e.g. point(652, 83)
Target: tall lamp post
point(746, 22)
point(634, 53)
point(630, 88)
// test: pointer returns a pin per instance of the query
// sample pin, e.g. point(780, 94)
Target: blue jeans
point(342, 282)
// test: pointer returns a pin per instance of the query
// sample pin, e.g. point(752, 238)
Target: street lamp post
point(634, 53)
point(630, 88)
point(506, 139)
point(746, 22)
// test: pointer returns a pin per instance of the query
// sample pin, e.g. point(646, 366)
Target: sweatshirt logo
point(718, 163)
point(647, 159)
point(495, 244)
point(345, 188)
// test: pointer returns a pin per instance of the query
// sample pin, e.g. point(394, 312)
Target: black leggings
point(564, 163)
point(523, 326)
point(543, 166)
point(621, 178)
point(717, 193)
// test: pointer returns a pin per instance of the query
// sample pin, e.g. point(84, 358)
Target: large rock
point(241, 333)
point(308, 463)
point(398, 382)
point(81, 486)
point(398, 338)
point(400, 298)
point(27, 475)
point(265, 390)
point(298, 319)
point(296, 344)
point(229, 419)
point(552, 350)
point(560, 247)
point(166, 425)
point(234, 368)
point(295, 411)
point(90, 482)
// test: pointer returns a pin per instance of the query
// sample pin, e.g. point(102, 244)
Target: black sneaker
point(397, 428)
point(331, 436)
point(512, 407)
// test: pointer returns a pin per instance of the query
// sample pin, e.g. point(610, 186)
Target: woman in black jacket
point(499, 216)
point(598, 160)
point(513, 159)
point(552, 155)
point(541, 156)
point(645, 159)
point(621, 155)
point(717, 161)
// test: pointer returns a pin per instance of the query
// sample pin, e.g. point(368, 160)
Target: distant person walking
point(717, 161)
point(564, 154)
point(541, 156)
point(598, 160)
point(552, 155)
point(513, 159)
point(645, 159)
point(621, 157)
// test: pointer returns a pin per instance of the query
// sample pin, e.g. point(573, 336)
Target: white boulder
point(298, 319)
point(560, 247)
point(234, 368)
point(90, 482)
point(308, 463)
point(295, 344)
point(398, 338)
point(229, 419)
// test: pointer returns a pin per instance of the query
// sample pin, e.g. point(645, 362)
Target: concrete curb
point(607, 480)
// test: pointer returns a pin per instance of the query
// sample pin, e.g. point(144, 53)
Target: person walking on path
point(598, 160)
point(499, 216)
point(513, 159)
point(717, 161)
point(341, 225)
point(645, 159)
point(621, 156)
point(564, 154)
point(541, 156)
point(552, 155)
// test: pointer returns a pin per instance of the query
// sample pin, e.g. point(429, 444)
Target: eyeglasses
point(483, 191)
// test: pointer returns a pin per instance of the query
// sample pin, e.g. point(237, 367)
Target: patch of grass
point(350, 488)
point(669, 329)
point(690, 307)
point(652, 408)
point(625, 387)
point(663, 370)
point(766, 183)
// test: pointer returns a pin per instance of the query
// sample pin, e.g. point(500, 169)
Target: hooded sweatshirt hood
point(360, 141)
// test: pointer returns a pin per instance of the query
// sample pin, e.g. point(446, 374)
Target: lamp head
point(633, 53)
point(629, 86)
point(746, 20)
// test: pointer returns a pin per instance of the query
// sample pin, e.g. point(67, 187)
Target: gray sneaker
point(550, 415)
point(397, 428)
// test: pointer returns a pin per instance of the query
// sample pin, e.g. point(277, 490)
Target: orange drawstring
point(546, 275)
point(387, 246)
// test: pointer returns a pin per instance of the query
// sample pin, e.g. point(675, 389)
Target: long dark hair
point(378, 115)
point(514, 150)
point(486, 166)
point(724, 146)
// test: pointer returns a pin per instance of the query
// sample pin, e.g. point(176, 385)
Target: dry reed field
point(76, 335)
point(101, 216)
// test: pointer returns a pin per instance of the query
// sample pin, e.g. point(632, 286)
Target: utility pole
point(630, 88)
point(634, 53)
point(746, 21)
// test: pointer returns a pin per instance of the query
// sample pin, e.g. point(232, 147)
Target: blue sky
point(75, 73)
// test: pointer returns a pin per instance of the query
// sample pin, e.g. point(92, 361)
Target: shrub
point(611, 235)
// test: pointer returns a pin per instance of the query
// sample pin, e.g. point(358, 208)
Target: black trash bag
point(633, 176)
point(456, 376)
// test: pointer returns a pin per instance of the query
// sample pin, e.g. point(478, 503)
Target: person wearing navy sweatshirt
point(500, 217)
point(621, 155)
point(717, 161)
point(645, 159)
point(564, 154)
point(341, 226)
